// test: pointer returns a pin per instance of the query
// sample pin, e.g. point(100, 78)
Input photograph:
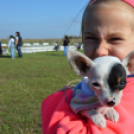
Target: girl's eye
point(91, 38)
point(115, 39)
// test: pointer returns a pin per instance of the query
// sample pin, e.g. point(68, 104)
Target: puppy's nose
point(111, 102)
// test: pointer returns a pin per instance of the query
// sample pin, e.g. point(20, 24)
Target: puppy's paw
point(99, 120)
point(112, 115)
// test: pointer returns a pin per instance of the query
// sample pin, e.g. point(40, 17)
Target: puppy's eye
point(96, 84)
point(123, 82)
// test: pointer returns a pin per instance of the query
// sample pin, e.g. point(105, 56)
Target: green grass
point(24, 84)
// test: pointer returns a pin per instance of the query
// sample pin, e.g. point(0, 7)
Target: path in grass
point(24, 84)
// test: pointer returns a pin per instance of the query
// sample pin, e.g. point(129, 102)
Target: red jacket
point(57, 117)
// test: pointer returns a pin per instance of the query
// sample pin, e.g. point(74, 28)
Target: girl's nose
point(102, 50)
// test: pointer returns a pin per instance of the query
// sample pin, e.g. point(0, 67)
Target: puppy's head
point(107, 75)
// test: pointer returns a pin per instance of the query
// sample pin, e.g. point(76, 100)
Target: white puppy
point(107, 78)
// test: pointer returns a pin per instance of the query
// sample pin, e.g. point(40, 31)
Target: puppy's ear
point(128, 63)
point(79, 62)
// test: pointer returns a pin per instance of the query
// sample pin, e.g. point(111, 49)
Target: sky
point(41, 19)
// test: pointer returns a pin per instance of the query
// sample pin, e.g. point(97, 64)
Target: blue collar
point(132, 75)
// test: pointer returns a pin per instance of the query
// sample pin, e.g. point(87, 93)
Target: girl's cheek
point(89, 47)
point(117, 52)
point(89, 52)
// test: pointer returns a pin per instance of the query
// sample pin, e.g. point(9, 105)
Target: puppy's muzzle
point(111, 102)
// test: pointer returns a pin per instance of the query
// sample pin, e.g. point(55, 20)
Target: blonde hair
point(105, 3)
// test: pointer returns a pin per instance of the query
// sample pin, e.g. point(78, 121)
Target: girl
point(107, 29)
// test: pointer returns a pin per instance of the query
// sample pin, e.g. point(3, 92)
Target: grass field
point(24, 84)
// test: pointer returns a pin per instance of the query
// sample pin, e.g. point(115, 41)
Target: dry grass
point(50, 41)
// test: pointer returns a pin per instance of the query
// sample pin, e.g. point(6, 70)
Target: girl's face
point(108, 31)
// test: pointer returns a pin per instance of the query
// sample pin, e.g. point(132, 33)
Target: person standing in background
point(0, 49)
point(11, 44)
point(18, 44)
point(56, 46)
point(66, 44)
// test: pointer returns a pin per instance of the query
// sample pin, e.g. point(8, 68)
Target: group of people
point(15, 42)
point(107, 30)
point(65, 44)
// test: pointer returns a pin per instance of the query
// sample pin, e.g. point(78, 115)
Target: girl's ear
point(79, 62)
point(128, 63)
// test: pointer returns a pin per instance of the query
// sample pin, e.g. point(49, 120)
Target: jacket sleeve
point(58, 118)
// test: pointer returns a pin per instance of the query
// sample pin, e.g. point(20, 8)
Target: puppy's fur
point(107, 77)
